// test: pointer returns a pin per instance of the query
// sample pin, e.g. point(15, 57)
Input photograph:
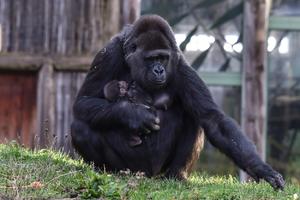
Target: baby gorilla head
point(113, 90)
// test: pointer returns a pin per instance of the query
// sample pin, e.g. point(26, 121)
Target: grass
point(46, 174)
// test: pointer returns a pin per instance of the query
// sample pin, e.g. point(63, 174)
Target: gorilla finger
point(157, 120)
point(152, 126)
point(146, 130)
point(279, 182)
point(276, 180)
point(151, 118)
point(276, 183)
point(155, 127)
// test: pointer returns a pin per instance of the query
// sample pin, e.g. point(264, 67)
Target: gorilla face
point(151, 59)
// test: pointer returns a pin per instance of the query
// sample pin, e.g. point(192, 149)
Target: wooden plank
point(21, 62)
point(15, 61)
point(78, 63)
point(45, 107)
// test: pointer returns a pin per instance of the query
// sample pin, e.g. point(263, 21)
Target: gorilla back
point(146, 53)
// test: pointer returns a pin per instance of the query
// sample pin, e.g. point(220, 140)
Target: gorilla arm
point(90, 105)
point(221, 131)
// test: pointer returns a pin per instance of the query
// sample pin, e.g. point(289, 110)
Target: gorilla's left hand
point(266, 172)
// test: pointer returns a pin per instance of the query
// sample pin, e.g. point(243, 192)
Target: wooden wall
point(64, 27)
point(56, 40)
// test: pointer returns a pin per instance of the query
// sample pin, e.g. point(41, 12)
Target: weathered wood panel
point(67, 85)
point(45, 106)
point(65, 27)
point(18, 107)
point(130, 11)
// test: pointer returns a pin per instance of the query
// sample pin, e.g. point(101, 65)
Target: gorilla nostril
point(158, 70)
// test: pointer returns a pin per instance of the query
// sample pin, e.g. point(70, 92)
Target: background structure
point(46, 48)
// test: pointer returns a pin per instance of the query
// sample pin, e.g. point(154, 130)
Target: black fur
point(100, 127)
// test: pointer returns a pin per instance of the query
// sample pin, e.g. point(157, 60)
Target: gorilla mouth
point(158, 82)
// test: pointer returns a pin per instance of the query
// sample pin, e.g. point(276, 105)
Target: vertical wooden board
point(45, 107)
point(18, 107)
point(67, 85)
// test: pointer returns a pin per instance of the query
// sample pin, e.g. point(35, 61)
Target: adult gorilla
point(146, 53)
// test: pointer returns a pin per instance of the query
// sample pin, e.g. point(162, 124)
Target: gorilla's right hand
point(138, 117)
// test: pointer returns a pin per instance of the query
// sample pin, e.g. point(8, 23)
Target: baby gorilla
point(121, 90)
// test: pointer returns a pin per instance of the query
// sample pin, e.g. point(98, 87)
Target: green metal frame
point(284, 23)
point(221, 78)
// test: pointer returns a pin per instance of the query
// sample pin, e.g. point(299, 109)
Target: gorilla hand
point(268, 174)
point(138, 117)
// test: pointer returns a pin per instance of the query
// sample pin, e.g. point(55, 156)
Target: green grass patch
point(46, 174)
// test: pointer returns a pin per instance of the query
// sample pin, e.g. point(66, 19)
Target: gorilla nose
point(158, 70)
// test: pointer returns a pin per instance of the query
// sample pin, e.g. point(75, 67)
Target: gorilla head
point(151, 53)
